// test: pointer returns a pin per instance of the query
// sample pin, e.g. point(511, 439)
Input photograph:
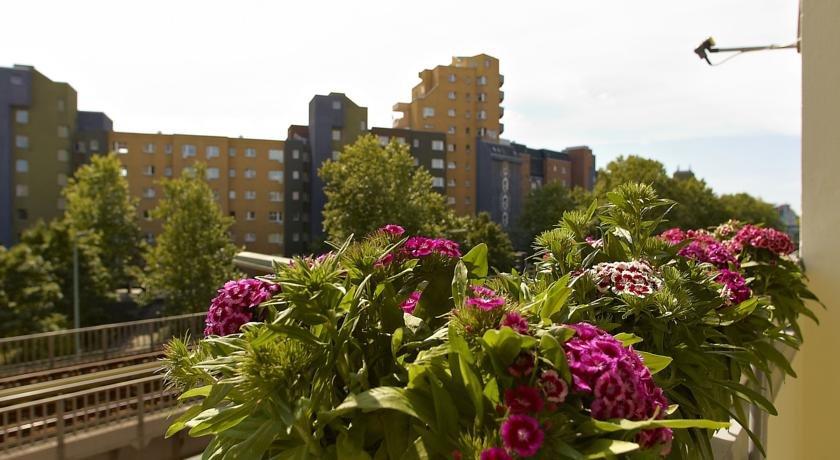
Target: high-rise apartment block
point(271, 187)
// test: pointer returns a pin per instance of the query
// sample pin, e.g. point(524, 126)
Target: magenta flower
point(516, 322)
point(484, 298)
point(420, 246)
point(523, 400)
point(384, 261)
point(523, 365)
point(553, 386)
point(595, 242)
point(495, 453)
point(393, 230)
point(656, 437)
point(522, 434)
point(767, 238)
point(410, 303)
point(234, 305)
point(673, 235)
point(735, 289)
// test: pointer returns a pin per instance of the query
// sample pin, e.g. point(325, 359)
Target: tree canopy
point(28, 293)
point(471, 231)
point(544, 207)
point(193, 255)
point(371, 185)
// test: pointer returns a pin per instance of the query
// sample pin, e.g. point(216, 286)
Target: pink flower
point(523, 400)
point(673, 235)
point(410, 303)
point(735, 289)
point(485, 298)
point(516, 322)
point(420, 246)
point(595, 242)
point(659, 436)
point(393, 230)
point(384, 261)
point(523, 365)
point(234, 305)
point(522, 434)
point(767, 238)
point(495, 453)
point(553, 387)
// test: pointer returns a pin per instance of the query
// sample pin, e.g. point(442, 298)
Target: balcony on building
point(501, 128)
point(501, 96)
point(501, 111)
point(501, 80)
point(400, 116)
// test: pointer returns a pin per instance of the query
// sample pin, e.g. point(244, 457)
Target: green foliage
point(99, 201)
point(53, 243)
point(28, 293)
point(747, 208)
point(545, 206)
point(370, 186)
point(193, 254)
point(469, 232)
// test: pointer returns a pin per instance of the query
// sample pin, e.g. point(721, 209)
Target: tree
point(471, 231)
point(28, 293)
point(371, 185)
point(544, 208)
point(99, 201)
point(53, 243)
point(747, 208)
point(631, 169)
point(193, 255)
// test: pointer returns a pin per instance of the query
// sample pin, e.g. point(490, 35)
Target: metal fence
point(53, 421)
point(47, 350)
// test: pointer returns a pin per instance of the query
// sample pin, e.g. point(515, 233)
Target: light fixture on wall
point(708, 46)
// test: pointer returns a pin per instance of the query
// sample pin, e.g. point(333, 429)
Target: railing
point(52, 422)
point(256, 263)
point(29, 353)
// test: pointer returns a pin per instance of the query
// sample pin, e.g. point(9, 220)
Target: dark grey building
point(427, 148)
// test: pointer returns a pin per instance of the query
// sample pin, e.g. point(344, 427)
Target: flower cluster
point(410, 303)
point(635, 277)
point(704, 247)
point(234, 305)
point(617, 380)
point(735, 289)
point(767, 238)
point(515, 321)
point(392, 230)
point(484, 298)
point(420, 246)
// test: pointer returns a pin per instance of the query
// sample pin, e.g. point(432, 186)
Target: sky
point(618, 76)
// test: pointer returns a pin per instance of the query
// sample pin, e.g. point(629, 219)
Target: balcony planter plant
point(619, 342)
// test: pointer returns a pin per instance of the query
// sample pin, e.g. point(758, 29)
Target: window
point(450, 147)
point(61, 204)
point(295, 175)
point(450, 200)
point(149, 192)
point(467, 200)
point(81, 147)
point(211, 173)
point(275, 238)
point(250, 195)
point(22, 166)
point(295, 196)
point(167, 171)
point(451, 130)
point(416, 143)
point(437, 182)
point(121, 147)
point(362, 125)
point(383, 140)
point(124, 171)
point(250, 215)
point(63, 156)
point(400, 140)
point(149, 148)
point(250, 237)
point(275, 217)
point(452, 78)
point(468, 147)
point(232, 214)
point(482, 97)
point(21, 142)
point(149, 170)
point(250, 173)
point(21, 190)
point(450, 112)
point(482, 114)
point(275, 155)
point(335, 155)
point(187, 150)
point(231, 173)
point(437, 163)
point(467, 183)
point(468, 115)
point(22, 214)
point(231, 151)
point(276, 176)
point(250, 152)
point(167, 149)
point(211, 151)
point(451, 165)
point(147, 215)
point(482, 80)
point(336, 104)
point(428, 112)
point(450, 183)
point(482, 132)
point(296, 237)
point(336, 134)
point(295, 154)
point(231, 194)
point(16, 80)
point(61, 105)
point(437, 145)
point(416, 161)
point(451, 95)
point(22, 116)
point(487, 63)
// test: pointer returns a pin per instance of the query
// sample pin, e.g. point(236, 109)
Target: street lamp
point(77, 321)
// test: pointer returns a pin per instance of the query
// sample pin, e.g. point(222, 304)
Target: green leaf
point(552, 350)
point(491, 391)
point(298, 333)
point(445, 412)
point(473, 386)
point(628, 339)
point(459, 284)
point(628, 425)
point(476, 262)
point(396, 341)
point(459, 345)
point(654, 362)
point(555, 298)
point(348, 448)
point(181, 422)
point(214, 421)
point(608, 448)
point(196, 392)
point(403, 400)
point(505, 343)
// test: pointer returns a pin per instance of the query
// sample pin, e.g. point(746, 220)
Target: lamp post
point(77, 321)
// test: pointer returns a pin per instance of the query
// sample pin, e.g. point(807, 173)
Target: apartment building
point(462, 100)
